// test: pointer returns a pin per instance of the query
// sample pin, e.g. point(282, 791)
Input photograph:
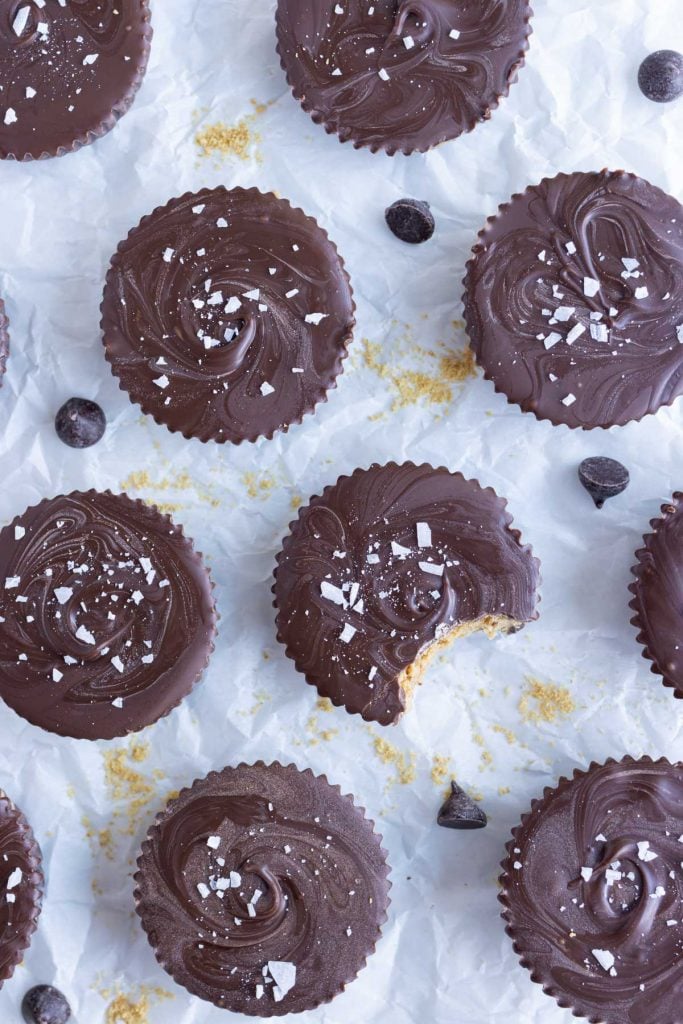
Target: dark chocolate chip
point(660, 76)
point(460, 811)
point(45, 1005)
point(411, 220)
point(603, 478)
point(80, 423)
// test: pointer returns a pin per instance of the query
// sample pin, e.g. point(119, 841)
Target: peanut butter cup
point(21, 886)
point(4, 340)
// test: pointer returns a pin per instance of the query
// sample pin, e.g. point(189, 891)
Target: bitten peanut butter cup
point(386, 567)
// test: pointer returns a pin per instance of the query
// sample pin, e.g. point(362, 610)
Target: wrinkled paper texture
point(444, 955)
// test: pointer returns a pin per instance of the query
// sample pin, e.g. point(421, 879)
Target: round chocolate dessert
point(401, 76)
point(106, 615)
point(227, 315)
point(262, 889)
point(4, 340)
point(69, 70)
point(574, 299)
point(658, 595)
point(386, 567)
point(593, 892)
point(21, 886)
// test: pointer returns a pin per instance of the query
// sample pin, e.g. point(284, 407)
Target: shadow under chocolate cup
point(592, 894)
point(72, 70)
point(4, 340)
point(388, 567)
point(227, 315)
point(263, 889)
point(22, 886)
point(401, 77)
point(107, 616)
point(658, 595)
point(574, 299)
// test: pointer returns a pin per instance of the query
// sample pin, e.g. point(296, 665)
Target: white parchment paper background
point(444, 957)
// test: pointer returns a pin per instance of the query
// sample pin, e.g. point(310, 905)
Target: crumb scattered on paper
point(259, 485)
point(141, 481)
point(130, 792)
point(441, 770)
point(239, 140)
point(132, 1009)
point(403, 763)
point(545, 702)
point(316, 734)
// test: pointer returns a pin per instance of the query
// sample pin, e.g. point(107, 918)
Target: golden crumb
point(127, 1009)
point(296, 502)
point(412, 385)
point(141, 480)
point(317, 734)
point(220, 139)
point(504, 731)
point(127, 786)
point(503, 790)
point(457, 367)
point(324, 704)
point(440, 769)
point(550, 702)
point(404, 763)
point(259, 485)
point(486, 759)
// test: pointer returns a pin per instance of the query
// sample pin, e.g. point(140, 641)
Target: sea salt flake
point(85, 635)
point(599, 332)
point(90, 58)
point(644, 851)
point(162, 382)
point(430, 567)
point(575, 333)
point(117, 663)
point(569, 400)
point(19, 532)
point(315, 318)
point(408, 42)
point(332, 593)
point(213, 842)
point(383, 74)
point(591, 287)
point(641, 293)
point(347, 634)
point(604, 958)
point(57, 676)
point(20, 20)
point(203, 890)
point(254, 294)
point(15, 878)
point(552, 339)
point(630, 263)
point(454, 33)
point(564, 313)
point(283, 974)
point(398, 550)
point(267, 389)
point(168, 255)
point(63, 594)
point(424, 535)
point(586, 874)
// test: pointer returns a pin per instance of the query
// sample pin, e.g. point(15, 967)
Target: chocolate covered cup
point(574, 299)
point(21, 886)
point(69, 71)
point(227, 315)
point(658, 595)
point(107, 617)
point(592, 890)
point(401, 76)
point(263, 889)
point(387, 567)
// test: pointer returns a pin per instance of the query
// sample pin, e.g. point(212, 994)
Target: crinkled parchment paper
point(508, 717)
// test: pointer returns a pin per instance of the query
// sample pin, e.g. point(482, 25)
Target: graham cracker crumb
point(126, 1009)
point(317, 734)
point(404, 763)
point(551, 702)
point(503, 790)
point(141, 480)
point(324, 704)
point(412, 385)
point(296, 502)
point(259, 485)
point(441, 770)
point(220, 139)
point(504, 731)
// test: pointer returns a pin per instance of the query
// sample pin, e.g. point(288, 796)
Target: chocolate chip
point(80, 423)
point(411, 220)
point(45, 1005)
point(660, 76)
point(603, 478)
point(460, 811)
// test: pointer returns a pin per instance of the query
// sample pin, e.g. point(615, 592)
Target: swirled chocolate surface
point(574, 299)
point(68, 70)
point(226, 314)
point(4, 340)
point(106, 615)
point(21, 886)
point(658, 594)
point(593, 892)
point(262, 889)
point(383, 564)
point(401, 75)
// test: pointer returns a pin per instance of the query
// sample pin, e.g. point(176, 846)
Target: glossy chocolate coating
point(4, 340)
point(658, 595)
point(69, 71)
point(290, 847)
point(208, 265)
point(627, 269)
point(106, 615)
point(21, 886)
point(354, 641)
point(401, 75)
point(594, 875)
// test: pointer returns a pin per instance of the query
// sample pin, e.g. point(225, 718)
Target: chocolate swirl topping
point(226, 314)
point(4, 340)
point(106, 615)
point(593, 892)
point(69, 69)
point(386, 562)
point(262, 889)
point(401, 75)
point(21, 886)
point(574, 299)
point(658, 595)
